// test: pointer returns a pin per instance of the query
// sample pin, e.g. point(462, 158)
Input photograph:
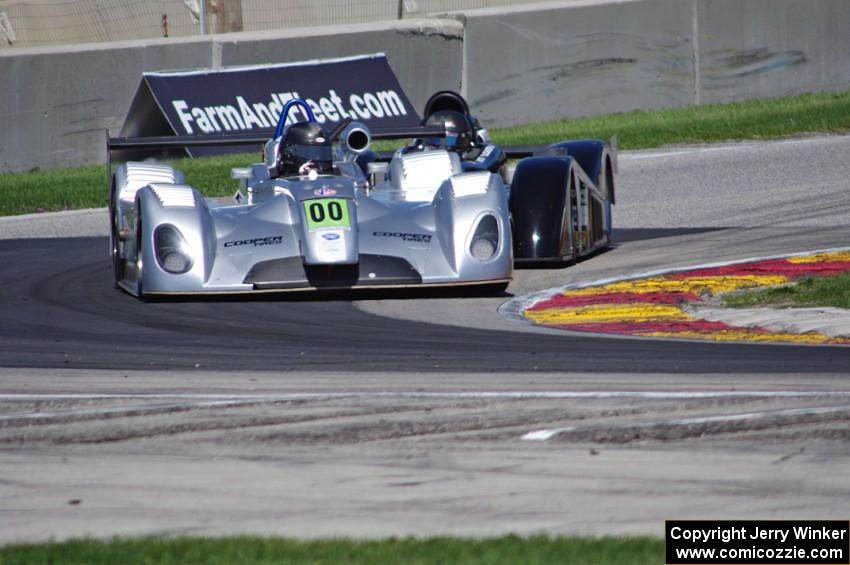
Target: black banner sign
point(767, 542)
point(250, 99)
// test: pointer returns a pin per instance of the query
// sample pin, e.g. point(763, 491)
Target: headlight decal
point(173, 254)
point(484, 243)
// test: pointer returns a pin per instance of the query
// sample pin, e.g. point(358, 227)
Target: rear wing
point(181, 142)
point(235, 139)
point(523, 151)
point(157, 145)
point(142, 147)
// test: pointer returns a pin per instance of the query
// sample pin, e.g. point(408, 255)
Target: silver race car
point(324, 211)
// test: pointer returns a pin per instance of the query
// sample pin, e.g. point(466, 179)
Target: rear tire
point(117, 250)
point(606, 187)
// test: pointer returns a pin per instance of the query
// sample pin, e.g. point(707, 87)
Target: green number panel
point(327, 213)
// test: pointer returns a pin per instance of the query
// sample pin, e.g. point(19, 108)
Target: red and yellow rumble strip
point(655, 306)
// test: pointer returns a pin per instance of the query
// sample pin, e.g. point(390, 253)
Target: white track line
point(543, 435)
point(189, 401)
point(133, 410)
point(276, 397)
point(736, 147)
point(682, 152)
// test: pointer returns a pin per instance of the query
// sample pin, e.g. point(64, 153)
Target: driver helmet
point(304, 146)
point(459, 134)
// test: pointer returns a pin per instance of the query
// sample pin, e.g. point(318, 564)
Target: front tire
point(139, 253)
point(540, 205)
point(497, 288)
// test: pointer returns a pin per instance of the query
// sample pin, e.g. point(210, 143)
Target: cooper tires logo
point(414, 237)
point(256, 242)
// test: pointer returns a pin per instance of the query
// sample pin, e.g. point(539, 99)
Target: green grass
point(85, 187)
point(752, 119)
point(536, 550)
point(49, 191)
point(831, 291)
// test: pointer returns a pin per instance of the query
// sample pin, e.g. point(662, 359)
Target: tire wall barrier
point(529, 63)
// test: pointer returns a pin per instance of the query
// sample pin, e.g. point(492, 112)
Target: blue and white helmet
point(459, 135)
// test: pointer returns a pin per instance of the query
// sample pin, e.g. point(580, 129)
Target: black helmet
point(304, 144)
point(446, 100)
point(459, 134)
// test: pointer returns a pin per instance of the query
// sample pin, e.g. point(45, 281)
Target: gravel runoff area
point(103, 453)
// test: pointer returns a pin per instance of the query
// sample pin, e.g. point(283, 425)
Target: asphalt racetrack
point(416, 414)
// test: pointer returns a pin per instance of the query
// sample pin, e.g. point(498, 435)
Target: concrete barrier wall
point(426, 55)
point(578, 58)
point(569, 59)
point(761, 48)
point(530, 63)
point(56, 102)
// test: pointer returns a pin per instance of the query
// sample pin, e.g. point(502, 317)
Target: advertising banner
point(250, 99)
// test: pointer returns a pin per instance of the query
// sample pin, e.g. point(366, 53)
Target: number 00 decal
point(327, 213)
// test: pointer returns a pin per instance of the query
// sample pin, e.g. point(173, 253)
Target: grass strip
point(85, 187)
point(831, 291)
point(768, 118)
point(536, 550)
